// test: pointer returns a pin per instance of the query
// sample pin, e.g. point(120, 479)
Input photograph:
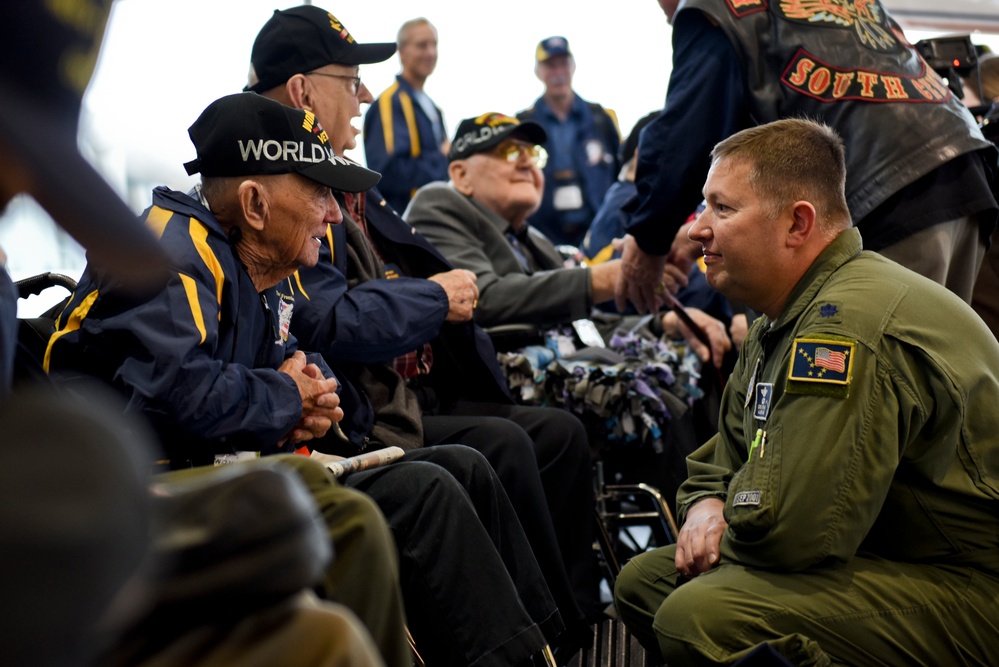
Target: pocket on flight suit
point(751, 505)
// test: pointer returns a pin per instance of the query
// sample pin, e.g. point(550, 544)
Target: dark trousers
point(473, 591)
point(542, 458)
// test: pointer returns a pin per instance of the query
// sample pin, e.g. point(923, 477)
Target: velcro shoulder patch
point(821, 361)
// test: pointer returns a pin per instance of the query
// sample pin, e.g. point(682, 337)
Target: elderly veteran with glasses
point(392, 317)
point(479, 221)
point(212, 364)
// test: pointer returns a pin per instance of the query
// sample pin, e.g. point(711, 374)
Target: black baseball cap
point(246, 134)
point(304, 38)
point(48, 51)
point(481, 133)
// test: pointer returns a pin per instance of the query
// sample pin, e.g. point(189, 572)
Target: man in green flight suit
point(847, 512)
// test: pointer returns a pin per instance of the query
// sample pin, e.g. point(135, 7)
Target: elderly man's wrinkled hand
point(640, 279)
point(697, 545)
point(462, 293)
point(684, 252)
point(320, 403)
point(718, 338)
point(674, 278)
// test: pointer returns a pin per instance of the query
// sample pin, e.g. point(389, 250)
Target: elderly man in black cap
point(75, 511)
point(211, 362)
point(394, 319)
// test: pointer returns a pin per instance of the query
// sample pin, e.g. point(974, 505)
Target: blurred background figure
point(583, 141)
point(74, 519)
point(405, 139)
point(981, 92)
point(48, 51)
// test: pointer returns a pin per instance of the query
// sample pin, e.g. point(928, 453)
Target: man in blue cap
point(583, 143)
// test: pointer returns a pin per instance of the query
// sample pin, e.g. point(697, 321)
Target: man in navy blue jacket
point(583, 143)
point(405, 139)
point(212, 363)
point(394, 320)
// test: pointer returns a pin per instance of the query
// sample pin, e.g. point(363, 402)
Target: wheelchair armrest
point(37, 284)
point(507, 337)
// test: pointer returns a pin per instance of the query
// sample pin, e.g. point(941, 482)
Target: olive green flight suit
point(858, 458)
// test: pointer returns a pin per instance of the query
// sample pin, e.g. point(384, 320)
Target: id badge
point(763, 395)
point(285, 309)
point(235, 457)
point(567, 198)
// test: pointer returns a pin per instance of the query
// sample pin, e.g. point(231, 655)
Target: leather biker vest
point(847, 64)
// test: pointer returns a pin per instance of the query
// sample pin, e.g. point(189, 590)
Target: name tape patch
point(743, 498)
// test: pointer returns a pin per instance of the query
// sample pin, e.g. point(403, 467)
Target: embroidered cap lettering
point(249, 135)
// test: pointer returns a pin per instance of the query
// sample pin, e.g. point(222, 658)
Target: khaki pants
point(364, 574)
point(867, 612)
point(949, 253)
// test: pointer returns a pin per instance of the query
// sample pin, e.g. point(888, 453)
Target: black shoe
point(569, 643)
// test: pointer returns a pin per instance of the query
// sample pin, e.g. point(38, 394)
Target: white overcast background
point(164, 61)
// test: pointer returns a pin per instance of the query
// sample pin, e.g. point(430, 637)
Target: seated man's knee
point(639, 591)
point(466, 465)
point(357, 527)
point(313, 473)
point(564, 435)
point(704, 620)
point(508, 436)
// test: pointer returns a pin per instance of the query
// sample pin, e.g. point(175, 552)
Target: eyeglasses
point(511, 152)
point(356, 80)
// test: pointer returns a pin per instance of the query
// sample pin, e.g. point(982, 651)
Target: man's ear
point(253, 203)
point(803, 223)
point(458, 173)
point(299, 92)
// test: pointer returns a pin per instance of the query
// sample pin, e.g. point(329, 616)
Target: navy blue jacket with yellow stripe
point(399, 144)
point(377, 320)
point(199, 359)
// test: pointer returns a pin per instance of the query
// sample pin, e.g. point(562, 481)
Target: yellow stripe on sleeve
point(298, 281)
point(410, 116)
point(385, 112)
point(199, 235)
point(604, 255)
point(72, 324)
point(157, 220)
point(191, 289)
point(329, 240)
point(613, 117)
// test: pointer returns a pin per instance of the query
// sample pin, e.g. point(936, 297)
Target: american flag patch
point(826, 358)
point(821, 360)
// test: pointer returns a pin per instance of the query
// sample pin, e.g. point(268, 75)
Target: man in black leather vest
point(918, 169)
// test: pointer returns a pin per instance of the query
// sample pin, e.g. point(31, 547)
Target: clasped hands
point(320, 403)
